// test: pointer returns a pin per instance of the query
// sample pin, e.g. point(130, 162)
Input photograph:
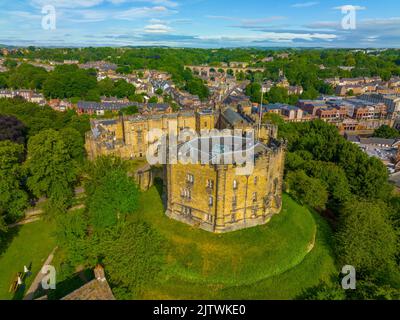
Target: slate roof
point(233, 117)
point(93, 290)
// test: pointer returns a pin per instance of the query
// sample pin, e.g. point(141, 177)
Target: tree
point(111, 194)
point(323, 291)
point(277, 95)
point(370, 290)
point(123, 89)
point(13, 199)
point(27, 76)
point(153, 99)
point(253, 90)
point(366, 239)
point(386, 132)
point(308, 190)
point(129, 110)
point(73, 236)
point(74, 143)
point(334, 178)
point(12, 129)
point(52, 168)
point(134, 255)
point(68, 81)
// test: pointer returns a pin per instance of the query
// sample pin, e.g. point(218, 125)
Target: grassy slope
point(31, 243)
point(266, 262)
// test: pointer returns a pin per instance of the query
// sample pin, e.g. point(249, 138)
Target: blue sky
point(201, 23)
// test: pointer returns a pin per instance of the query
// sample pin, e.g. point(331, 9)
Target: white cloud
point(274, 36)
point(143, 12)
point(305, 4)
point(91, 3)
point(67, 3)
point(157, 28)
point(348, 7)
point(247, 21)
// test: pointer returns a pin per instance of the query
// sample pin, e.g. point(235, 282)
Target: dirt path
point(36, 283)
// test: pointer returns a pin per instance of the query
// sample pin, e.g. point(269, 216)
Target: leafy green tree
point(13, 199)
point(123, 89)
point(386, 132)
point(153, 99)
point(52, 168)
point(10, 63)
point(130, 110)
point(277, 95)
point(106, 87)
point(334, 178)
point(111, 194)
point(27, 76)
point(307, 190)
point(72, 234)
point(196, 87)
point(366, 239)
point(370, 290)
point(323, 291)
point(134, 254)
point(253, 90)
point(68, 81)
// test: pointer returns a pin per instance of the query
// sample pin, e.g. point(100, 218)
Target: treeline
point(41, 152)
point(352, 191)
point(67, 81)
point(307, 68)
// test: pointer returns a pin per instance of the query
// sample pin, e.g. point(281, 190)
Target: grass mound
point(202, 265)
point(27, 245)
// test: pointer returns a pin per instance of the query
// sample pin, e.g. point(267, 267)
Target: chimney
point(99, 273)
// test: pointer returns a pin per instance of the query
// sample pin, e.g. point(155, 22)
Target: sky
point(201, 23)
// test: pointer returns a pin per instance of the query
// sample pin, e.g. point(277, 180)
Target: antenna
point(261, 112)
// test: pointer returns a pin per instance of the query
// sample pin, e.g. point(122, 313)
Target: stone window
point(233, 217)
point(235, 184)
point(254, 196)
point(186, 193)
point(210, 201)
point(255, 180)
point(234, 201)
point(187, 211)
point(190, 178)
point(210, 184)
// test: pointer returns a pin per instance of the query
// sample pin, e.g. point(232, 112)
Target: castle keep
point(215, 198)
point(211, 196)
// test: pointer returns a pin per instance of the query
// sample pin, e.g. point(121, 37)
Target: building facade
point(129, 137)
point(214, 198)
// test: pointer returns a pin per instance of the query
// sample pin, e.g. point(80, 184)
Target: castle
point(210, 196)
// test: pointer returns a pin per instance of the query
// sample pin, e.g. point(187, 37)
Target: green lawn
point(27, 245)
point(273, 261)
